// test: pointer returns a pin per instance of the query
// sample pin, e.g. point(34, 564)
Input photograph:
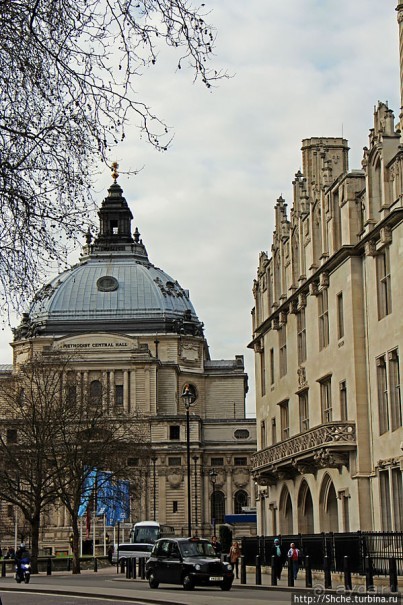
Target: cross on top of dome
point(115, 172)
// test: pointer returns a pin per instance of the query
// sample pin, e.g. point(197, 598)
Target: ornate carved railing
point(340, 435)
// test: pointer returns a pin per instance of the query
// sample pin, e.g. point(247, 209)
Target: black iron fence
point(378, 547)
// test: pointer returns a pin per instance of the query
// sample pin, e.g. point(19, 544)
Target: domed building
point(136, 341)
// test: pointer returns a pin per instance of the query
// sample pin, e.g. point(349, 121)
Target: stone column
point(86, 387)
point(105, 398)
point(206, 512)
point(230, 495)
point(126, 391)
point(161, 496)
point(112, 389)
point(252, 492)
point(133, 401)
point(147, 389)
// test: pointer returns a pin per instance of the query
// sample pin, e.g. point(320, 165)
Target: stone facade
point(327, 336)
point(131, 330)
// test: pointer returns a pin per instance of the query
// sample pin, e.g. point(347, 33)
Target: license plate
point(216, 579)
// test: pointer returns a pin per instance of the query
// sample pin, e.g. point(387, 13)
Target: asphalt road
point(94, 588)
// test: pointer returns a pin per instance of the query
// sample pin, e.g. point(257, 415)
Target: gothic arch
point(305, 509)
point(329, 518)
point(285, 512)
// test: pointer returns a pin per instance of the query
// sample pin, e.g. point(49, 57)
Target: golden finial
point(115, 172)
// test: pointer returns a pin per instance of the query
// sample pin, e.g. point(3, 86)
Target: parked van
point(143, 536)
point(149, 532)
point(122, 552)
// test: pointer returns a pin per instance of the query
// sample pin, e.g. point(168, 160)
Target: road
point(90, 588)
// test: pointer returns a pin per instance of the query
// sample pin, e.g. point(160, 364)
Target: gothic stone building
point(136, 340)
point(327, 336)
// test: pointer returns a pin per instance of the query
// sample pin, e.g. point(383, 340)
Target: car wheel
point(188, 583)
point(225, 585)
point(152, 581)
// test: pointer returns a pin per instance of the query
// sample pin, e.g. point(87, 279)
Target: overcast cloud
point(300, 68)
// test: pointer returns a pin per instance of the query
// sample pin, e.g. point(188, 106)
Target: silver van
point(121, 552)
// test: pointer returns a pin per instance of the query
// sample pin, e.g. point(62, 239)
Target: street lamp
point(189, 398)
point(213, 478)
point(154, 460)
point(195, 459)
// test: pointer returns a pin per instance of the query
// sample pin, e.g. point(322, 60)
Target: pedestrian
point(216, 545)
point(234, 554)
point(10, 554)
point(278, 558)
point(293, 559)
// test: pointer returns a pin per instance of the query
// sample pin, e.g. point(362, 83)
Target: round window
point(107, 283)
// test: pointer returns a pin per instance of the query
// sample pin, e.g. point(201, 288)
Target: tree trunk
point(76, 546)
point(35, 526)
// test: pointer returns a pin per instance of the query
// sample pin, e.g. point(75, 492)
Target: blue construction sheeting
point(243, 518)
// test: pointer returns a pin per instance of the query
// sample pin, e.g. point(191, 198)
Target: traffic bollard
point(258, 571)
point(347, 573)
point(393, 575)
point(243, 569)
point(273, 571)
point(308, 572)
point(326, 571)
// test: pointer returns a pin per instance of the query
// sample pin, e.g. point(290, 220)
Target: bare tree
point(67, 78)
point(53, 438)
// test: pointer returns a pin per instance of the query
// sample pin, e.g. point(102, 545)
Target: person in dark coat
point(216, 545)
point(10, 554)
point(279, 558)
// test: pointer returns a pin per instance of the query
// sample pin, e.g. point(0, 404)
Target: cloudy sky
point(300, 68)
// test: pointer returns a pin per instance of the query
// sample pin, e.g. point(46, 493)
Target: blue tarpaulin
point(242, 518)
point(106, 495)
point(122, 508)
point(88, 487)
point(112, 497)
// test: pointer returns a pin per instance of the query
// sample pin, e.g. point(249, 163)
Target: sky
point(205, 208)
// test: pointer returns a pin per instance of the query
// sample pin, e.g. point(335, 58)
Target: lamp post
point(195, 459)
point(189, 399)
point(154, 460)
point(213, 477)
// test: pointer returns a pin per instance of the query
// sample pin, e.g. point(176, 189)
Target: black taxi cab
point(187, 561)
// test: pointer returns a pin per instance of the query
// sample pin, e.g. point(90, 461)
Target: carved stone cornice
point(324, 445)
point(265, 480)
point(325, 458)
point(304, 468)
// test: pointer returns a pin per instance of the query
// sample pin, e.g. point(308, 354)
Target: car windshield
point(146, 534)
point(197, 549)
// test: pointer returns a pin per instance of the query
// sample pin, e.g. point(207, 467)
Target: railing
point(337, 434)
point(379, 547)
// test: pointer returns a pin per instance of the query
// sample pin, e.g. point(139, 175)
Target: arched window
point(95, 393)
point(240, 500)
point(217, 506)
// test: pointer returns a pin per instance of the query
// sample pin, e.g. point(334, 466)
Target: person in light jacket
point(234, 554)
point(293, 559)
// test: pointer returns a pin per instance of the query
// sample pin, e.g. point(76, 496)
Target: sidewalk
point(381, 583)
